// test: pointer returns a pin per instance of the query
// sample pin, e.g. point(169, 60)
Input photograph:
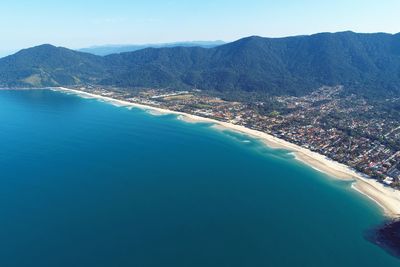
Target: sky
point(83, 23)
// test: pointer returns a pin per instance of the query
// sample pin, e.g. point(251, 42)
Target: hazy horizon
point(4, 53)
point(75, 24)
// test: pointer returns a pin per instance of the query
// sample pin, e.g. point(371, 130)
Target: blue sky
point(81, 23)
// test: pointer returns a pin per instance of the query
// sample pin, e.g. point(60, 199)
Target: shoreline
point(386, 198)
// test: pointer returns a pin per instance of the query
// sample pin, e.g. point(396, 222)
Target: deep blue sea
point(85, 183)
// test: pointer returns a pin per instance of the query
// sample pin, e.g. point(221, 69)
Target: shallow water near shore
point(86, 183)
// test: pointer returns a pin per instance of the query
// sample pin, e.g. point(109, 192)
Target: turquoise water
point(86, 183)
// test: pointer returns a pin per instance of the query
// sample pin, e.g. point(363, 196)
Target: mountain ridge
point(105, 50)
point(364, 63)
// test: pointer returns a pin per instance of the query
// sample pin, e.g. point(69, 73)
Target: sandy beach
point(387, 198)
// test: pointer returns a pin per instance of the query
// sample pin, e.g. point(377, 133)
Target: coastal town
point(326, 121)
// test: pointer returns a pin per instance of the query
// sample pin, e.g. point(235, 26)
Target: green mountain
point(367, 64)
point(47, 65)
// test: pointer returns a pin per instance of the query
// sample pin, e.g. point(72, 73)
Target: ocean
point(87, 183)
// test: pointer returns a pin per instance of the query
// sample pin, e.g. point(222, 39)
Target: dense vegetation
point(47, 65)
point(367, 64)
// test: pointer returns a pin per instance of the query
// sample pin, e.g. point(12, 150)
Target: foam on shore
point(385, 197)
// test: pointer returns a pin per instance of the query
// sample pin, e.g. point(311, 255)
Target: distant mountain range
point(105, 50)
point(367, 64)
